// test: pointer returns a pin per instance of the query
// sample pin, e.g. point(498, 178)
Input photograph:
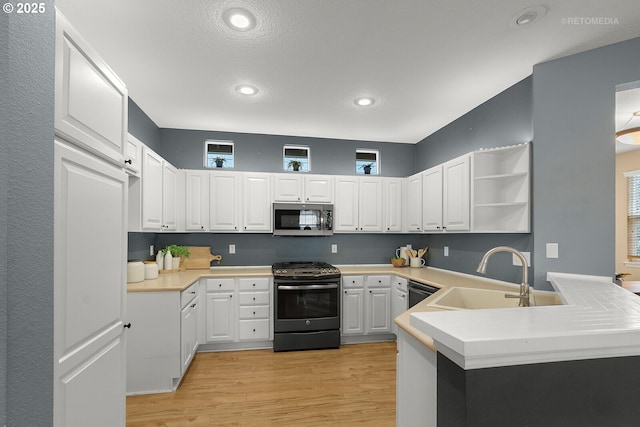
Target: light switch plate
point(232, 249)
point(552, 250)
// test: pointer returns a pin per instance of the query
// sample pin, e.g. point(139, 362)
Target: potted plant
point(398, 261)
point(367, 168)
point(178, 253)
point(295, 164)
point(219, 161)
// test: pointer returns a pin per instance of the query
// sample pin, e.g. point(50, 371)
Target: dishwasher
point(419, 291)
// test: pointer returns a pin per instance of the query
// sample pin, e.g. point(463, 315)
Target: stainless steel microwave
point(302, 219)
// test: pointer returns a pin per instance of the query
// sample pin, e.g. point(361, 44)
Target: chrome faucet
point(524, 294)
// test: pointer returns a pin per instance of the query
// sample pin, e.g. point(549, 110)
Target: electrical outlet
point(151, 252)
point(232, 249)
point(446, 251)
point(334, 248)
point(516, 260)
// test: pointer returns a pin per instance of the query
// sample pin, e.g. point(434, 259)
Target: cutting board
point(200, 257)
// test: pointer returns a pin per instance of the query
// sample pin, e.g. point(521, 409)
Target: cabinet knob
point(128, 325)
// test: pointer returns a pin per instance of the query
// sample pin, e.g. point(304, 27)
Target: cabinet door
point(197, 201)
point(370, 205)
point(379, 310)
point(89, 291)
point(152, 177)
point(455, 210)
point(392, 198)
point(224, 201)
point(352, 311)
point(346, 206)
point(432, 199)
point(257, 203)
point(90, 100)
point(413, 203)
point(318, 189)
point(188, 336)
point(169, 193)
point(287, 188)
point(221, 316)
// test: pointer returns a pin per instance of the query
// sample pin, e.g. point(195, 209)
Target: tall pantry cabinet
point(90, 208)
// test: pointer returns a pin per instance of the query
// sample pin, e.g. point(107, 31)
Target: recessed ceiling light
point(247, 90)
point(364, 101)
point(527, 16)
point(239, 19)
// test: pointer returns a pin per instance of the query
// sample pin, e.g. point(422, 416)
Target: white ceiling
point(426, 62)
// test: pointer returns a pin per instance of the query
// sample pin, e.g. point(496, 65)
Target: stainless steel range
point(307, 306)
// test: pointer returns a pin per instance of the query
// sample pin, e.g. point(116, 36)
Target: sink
point(472, 299)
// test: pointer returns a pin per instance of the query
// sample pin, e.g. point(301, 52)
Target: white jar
point(150, 270)
point(135, 271)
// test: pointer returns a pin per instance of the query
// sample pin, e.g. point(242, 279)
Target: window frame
point(296, 147)
point(219, 142)
point(376, 167)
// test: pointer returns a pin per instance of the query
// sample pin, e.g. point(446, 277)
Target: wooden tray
point(200, 257)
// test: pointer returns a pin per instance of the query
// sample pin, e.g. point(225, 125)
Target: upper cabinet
point(91, 101)
point(501, 190)
point(303, 188)
point(358, 205)
point(445, 196)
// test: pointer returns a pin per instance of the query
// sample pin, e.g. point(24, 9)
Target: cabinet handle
point(128, 325)
point(128, 162)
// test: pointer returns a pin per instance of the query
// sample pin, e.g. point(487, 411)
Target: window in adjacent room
point(633, 216)
point(296, 158)
point(367, 162)
point(218, 154)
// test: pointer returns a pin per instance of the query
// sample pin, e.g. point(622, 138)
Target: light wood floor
point(352, 386)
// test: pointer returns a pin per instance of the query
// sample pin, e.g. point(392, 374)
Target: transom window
point(296, 158)
point(367, 162)
point(218, 154)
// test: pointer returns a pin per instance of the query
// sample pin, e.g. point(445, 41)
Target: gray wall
point(574, 157)
point(263, 153)
point(142, 127)
point(503, 120)
point(26, 220)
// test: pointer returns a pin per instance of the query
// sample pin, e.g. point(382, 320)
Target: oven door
point(307, 306)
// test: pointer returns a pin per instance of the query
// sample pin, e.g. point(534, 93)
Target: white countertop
point(599, 319)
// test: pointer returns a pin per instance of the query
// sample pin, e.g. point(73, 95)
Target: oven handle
point(306, 287)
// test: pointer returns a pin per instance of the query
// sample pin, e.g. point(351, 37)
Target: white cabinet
point(196, 200)
point(400, 302)
point(91, 102)
point(257, 209)
point(412, 206)
point(500, 191)
point(224, 201)
point(392, 202)
point(445, 196)
point(221, 310)
point(366, 305)
point(358, 206)
point(90, 203)
point(416, 383)
point(303, 188)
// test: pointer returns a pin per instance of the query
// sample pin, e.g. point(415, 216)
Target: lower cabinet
point(163, 338)
point(366, 305)
point(238, 310)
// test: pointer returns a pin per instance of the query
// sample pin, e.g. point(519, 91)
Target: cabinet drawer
point(254, 329)
point(254, 298)
point(255, 312)
point(253, 283)
point(221, 285)
point(188, 295)
point(378, 281)
point(352, 281)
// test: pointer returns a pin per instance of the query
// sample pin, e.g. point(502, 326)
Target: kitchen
point(571, 207)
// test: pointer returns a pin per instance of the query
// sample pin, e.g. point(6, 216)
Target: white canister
point(135, 271)
point(150, 270)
